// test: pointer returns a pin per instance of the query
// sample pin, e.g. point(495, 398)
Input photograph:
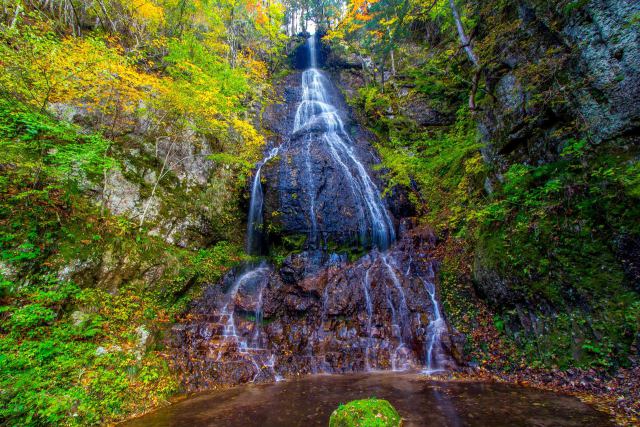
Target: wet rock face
point(609, 50)
point(597, 50)
point(158, 177)
point(317, 313)
point(306, 182)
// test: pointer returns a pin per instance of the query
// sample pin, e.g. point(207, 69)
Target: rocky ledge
point(318, 313)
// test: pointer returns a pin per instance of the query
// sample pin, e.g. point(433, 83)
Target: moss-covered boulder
point(366, 413)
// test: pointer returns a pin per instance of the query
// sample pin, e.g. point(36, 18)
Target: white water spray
point(255, 221)
point(366, 288)
point(320, 122)
point(436, 328)
point(227, 311)
point(400, 314)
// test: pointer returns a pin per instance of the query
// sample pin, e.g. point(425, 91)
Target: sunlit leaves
point(42, 69)
point(130, 74)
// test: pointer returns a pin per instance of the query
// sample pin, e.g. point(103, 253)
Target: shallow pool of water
point(309, 401)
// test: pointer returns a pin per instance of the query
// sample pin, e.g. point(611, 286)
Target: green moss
point(366, 413)
point(69, 350)
point(285, 245)
point(549, 232)
point(353, 251)
point(58, 369)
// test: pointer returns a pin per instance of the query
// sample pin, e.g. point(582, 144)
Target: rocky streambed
point(318, 313)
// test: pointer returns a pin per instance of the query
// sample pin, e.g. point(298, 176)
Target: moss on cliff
point(85, 296)
point(536, 209)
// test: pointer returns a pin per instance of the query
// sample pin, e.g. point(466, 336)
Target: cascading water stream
point(366, 288)
point(311, 189)
point(385, 331)
point(313, 58)
point(253, 346)
point(254, 220)
point(435, 329)
point(227, 311)
point(257, 333)
point(400, 313)
point(318, 120)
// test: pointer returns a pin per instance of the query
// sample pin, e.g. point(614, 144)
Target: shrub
point(366, 413)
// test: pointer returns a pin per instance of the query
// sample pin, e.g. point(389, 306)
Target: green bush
point(366, 413)
point(70, 353)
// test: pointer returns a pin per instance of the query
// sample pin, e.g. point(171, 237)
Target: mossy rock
point(366, 413)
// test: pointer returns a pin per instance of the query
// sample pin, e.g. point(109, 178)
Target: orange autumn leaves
point(359, 14)
point(359, 10)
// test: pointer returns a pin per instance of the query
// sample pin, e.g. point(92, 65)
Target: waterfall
point(366, 288)
point(400, 313)
point(252, 346)
point(257, 332)
point(320, 122)
point(311, 191)
point(255, 220)
point(227, 311)
point(313, 60)
point(326, 313)
point(435, 329)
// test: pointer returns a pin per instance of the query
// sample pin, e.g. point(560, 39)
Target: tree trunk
point(463, 37)
point(474, 89)
point(106, 16)
point(155, 185)
point(393, 64)
point(15, 15)
point(365, 71)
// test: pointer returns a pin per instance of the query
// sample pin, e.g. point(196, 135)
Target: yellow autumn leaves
point(185, 79)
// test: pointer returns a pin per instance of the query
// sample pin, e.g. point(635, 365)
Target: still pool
point(309, 401)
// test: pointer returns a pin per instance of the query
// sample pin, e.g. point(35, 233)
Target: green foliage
point(574, 6)
point(444, 168)
point(54, 148)
point(81, 284)
point(204, 266)
point(63, 369)
point(365, 413)
point(69, 354)
point(548, 231)
point(48, 164)
point(282, 246)
point(554, 238)
point(374, 104)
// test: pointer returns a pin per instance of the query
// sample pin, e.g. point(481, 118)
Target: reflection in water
point(309, 402)
point(446, 407)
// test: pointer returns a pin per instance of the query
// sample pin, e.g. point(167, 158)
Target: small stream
point(309, 401)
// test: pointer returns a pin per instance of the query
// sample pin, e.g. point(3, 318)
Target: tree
point(464, 40)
